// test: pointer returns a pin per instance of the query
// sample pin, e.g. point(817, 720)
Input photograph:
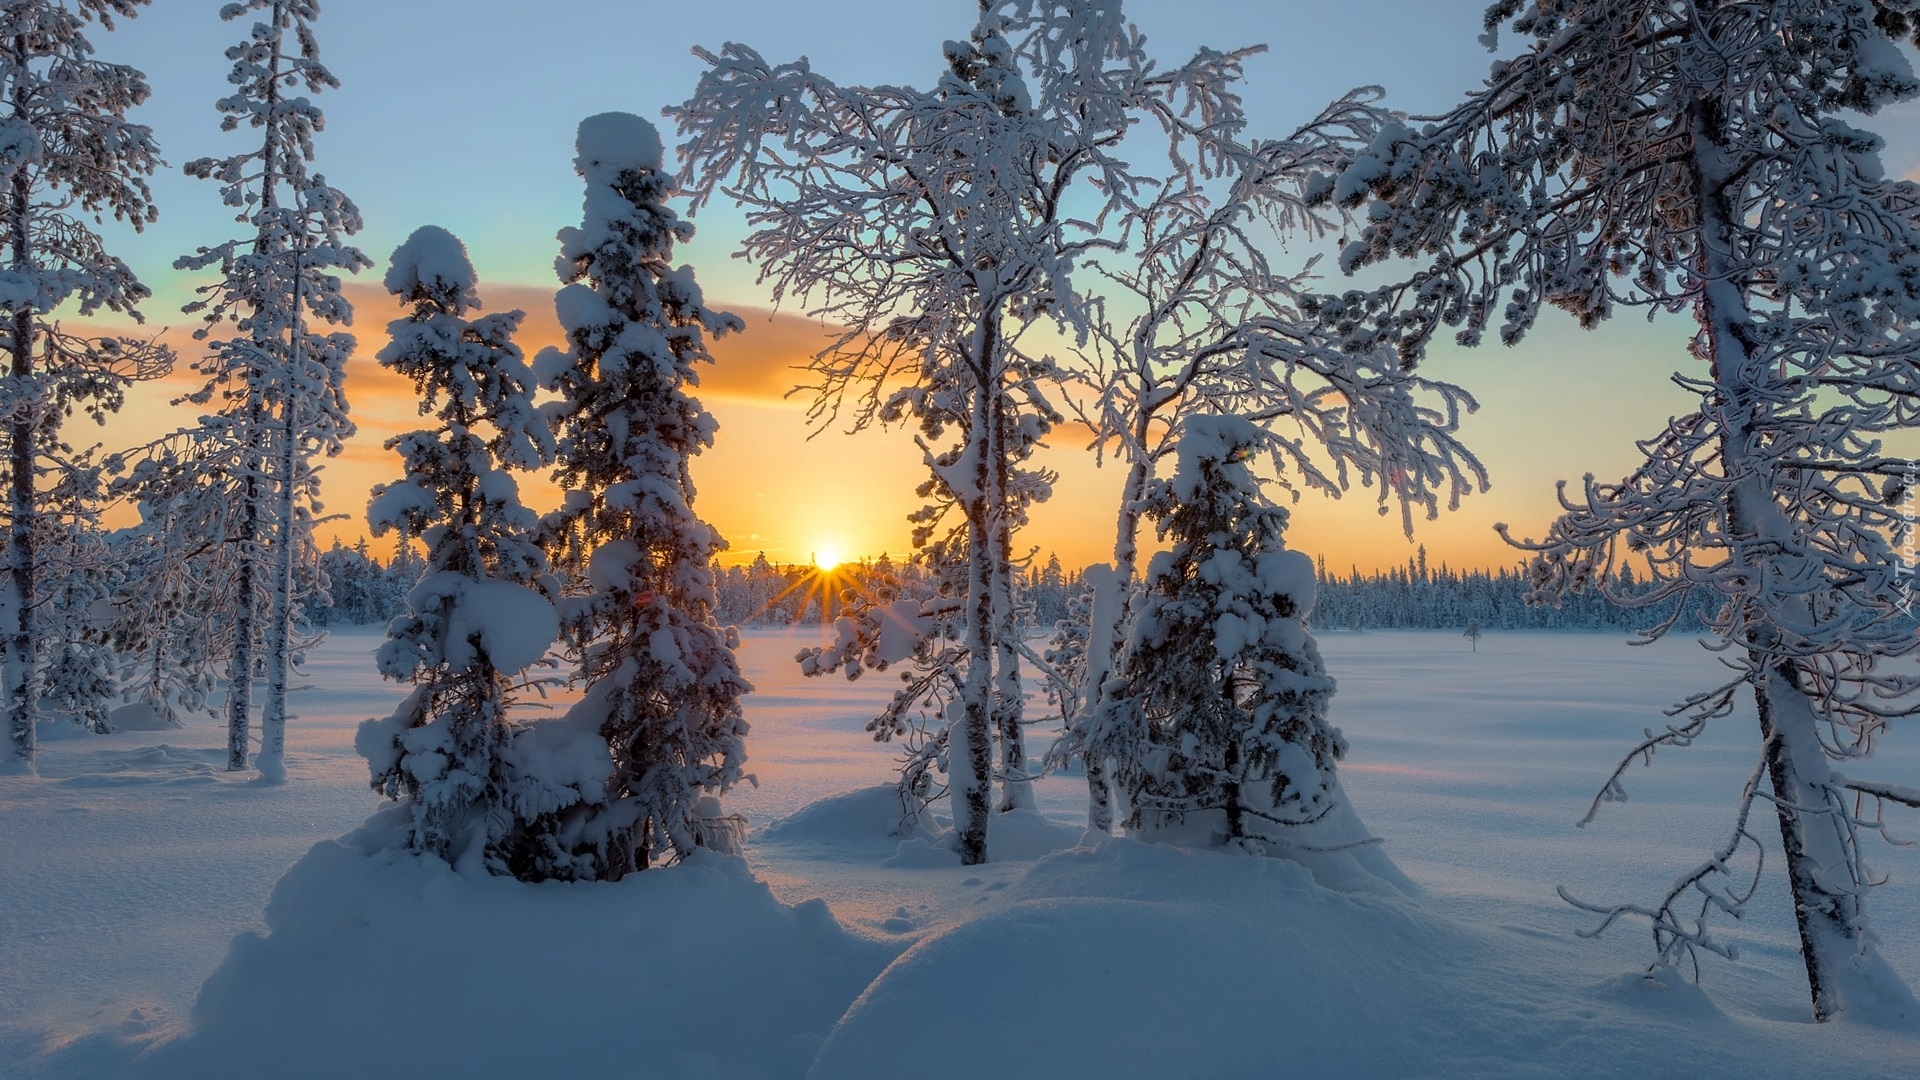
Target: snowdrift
point(1112, 958)
point(384, 964)
point(1131, 959)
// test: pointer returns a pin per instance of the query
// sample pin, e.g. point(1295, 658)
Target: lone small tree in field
point(1220, 734)
point(1473, 633)
point(1693, 156)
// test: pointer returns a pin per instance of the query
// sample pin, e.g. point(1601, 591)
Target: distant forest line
point(1415, 596)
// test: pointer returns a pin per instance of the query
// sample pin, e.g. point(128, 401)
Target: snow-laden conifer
point(1695, 157)
point(1220, 732)
point(68, 155)
point(479, 619)
point(661, 682)
point(278, 381)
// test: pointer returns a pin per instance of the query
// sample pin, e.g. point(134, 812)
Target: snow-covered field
point(128, 867)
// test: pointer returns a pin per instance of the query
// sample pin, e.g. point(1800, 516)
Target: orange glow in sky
point(798, 493)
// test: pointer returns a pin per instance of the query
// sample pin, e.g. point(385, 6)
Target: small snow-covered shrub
point(1221, 732)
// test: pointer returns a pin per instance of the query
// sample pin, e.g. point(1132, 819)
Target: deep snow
point(127, 867)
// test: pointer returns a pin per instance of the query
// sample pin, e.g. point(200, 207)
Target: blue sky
point(463, 113)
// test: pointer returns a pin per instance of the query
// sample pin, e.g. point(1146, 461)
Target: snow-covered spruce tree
point(1220, 734)
point(67, 153)
point(479, 619)
point(277, 381)
point(936, 227)
point(662, 685)
point(1692, 156)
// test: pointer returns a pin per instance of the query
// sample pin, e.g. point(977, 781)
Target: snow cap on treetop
point(614, 142)
point(432, 264)
point(1211, 440)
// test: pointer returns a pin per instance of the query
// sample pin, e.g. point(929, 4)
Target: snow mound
point(381, 963)
point(1132, 959)
point(866, 823)
point(867, 817)
point(921, 853)
point(1662, 990)
point(60, 728)
point(147, 766)
point(139, 716)
point(1025, 835)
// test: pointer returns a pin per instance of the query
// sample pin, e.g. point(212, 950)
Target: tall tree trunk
point(21, 687)
point(240, 665)
point(277, 640)
point(1016, 791)
point(245, 632)
point(1103, 640)
point(1821, 867)
point(970, 737)
point(1106, 625)
point(279, 636)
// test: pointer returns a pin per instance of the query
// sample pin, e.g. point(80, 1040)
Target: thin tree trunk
point(1106, 624)
point(240, 673)
point(1016, 791)
point(21, 687)
point(970, 747)
point(279, 632)
point(279, 642)
point(1230, 791)
point(1103, 632)
point(1813, 833)
point(240, 665)
point(1827, 894)
point(1126, 540)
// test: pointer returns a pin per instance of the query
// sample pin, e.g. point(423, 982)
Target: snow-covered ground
point(128, 867)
